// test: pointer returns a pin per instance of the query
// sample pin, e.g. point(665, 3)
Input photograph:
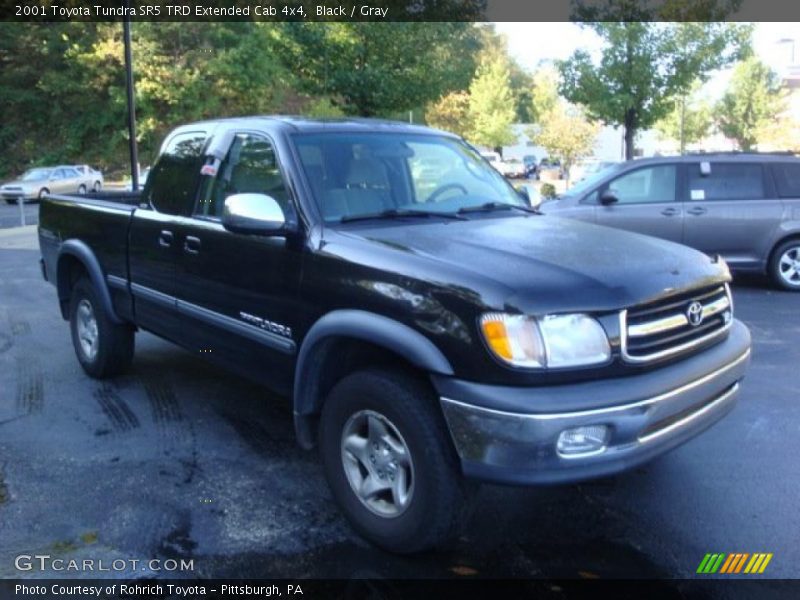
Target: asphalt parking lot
point(10, 217)
point(181, 459)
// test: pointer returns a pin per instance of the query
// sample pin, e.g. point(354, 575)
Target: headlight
point(554, 341)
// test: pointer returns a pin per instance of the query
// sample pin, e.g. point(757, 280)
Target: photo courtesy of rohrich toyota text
point(399, 299)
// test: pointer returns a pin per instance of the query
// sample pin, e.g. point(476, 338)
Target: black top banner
point(399, 10)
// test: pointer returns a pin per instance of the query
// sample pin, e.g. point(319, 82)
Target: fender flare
point(362, 325)
point(83, 254)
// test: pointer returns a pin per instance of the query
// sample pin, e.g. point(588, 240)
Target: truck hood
point(548, 263)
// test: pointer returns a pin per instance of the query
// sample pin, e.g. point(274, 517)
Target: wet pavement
point(179, 459)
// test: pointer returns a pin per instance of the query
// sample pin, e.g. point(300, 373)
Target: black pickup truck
point(428, 326)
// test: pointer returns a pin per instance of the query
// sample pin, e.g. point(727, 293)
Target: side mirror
point(530, 194)
point(608, 197)
point(257, 214)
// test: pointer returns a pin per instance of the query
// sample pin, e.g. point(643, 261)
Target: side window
point(251, 166)
point(726, 181)
point(171, 185)
point(787, 179)
point(646, 185)
point(58, 174)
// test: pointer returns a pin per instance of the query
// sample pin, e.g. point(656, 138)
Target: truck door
point(153, 240)
point(646, 202)
point(237, 293)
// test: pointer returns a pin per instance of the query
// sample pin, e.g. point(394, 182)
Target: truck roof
point(292, 123)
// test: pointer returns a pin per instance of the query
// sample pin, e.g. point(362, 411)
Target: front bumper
point(647, 415)
point(16, 195)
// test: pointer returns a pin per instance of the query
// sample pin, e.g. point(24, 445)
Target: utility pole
point(126, 29)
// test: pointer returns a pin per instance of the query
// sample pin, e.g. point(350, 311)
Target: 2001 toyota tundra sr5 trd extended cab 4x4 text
point(425, 322)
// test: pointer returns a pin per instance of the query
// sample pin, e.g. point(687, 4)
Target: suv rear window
point(727, 181)
point(787, 179)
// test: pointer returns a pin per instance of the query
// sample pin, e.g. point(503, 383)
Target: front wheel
point(784, 267)
point(81, 189)
point(389, 461)
point(103, 348)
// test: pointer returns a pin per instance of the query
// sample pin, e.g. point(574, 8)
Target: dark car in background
point(743, 206)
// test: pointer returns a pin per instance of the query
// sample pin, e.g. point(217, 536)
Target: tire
point(103, 348)
point(408, 412)
point(97, 186)
point(43, 192)
point(11, 201)
point(81, 189)
point(784, 266)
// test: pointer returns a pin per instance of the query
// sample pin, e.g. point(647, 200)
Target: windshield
point(584, 185)
point(36, 174)
point(355, 175)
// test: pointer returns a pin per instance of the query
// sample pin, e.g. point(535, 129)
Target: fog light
point(581, 441)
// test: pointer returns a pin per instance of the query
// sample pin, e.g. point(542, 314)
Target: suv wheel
point(389, 462)
point(103, 348)
point(784, 267)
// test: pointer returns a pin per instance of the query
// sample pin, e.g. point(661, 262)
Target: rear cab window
point(172, 184)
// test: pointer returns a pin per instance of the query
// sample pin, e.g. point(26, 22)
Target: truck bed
point(116, 196)
point(100, 221)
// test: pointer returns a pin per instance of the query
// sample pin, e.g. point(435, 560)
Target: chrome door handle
point(192, 244)
point(165, 239)
point(670, 212)
point(698, 210)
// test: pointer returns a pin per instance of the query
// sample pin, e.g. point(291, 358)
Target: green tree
point(688, 121)
point(754, 100)
point(544, 95)
point(566, 134)
point(73, 73)
point(644, 66)
point(450, 113)
point(491, 105)
point(379, 68)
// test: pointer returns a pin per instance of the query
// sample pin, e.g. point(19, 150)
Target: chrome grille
point(662, 329)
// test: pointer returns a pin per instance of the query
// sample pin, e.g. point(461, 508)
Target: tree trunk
point(630, 132)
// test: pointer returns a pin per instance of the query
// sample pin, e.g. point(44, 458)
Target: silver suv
point(743, 206)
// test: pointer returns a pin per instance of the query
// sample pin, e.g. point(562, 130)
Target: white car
point(93, 176)
point(494, 159)
point(36, 183)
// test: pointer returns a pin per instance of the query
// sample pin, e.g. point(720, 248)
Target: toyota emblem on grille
point(694, 314)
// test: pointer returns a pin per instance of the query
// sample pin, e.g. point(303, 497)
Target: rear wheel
point(97, 186)
point(103, 347)
point(389, 461)
point(784, 267)
point(43, 192)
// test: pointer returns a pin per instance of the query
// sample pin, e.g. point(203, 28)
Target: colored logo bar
point(741, 562)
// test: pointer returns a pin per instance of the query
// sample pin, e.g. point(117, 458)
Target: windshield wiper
point(490, 206)
point(394, 213)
